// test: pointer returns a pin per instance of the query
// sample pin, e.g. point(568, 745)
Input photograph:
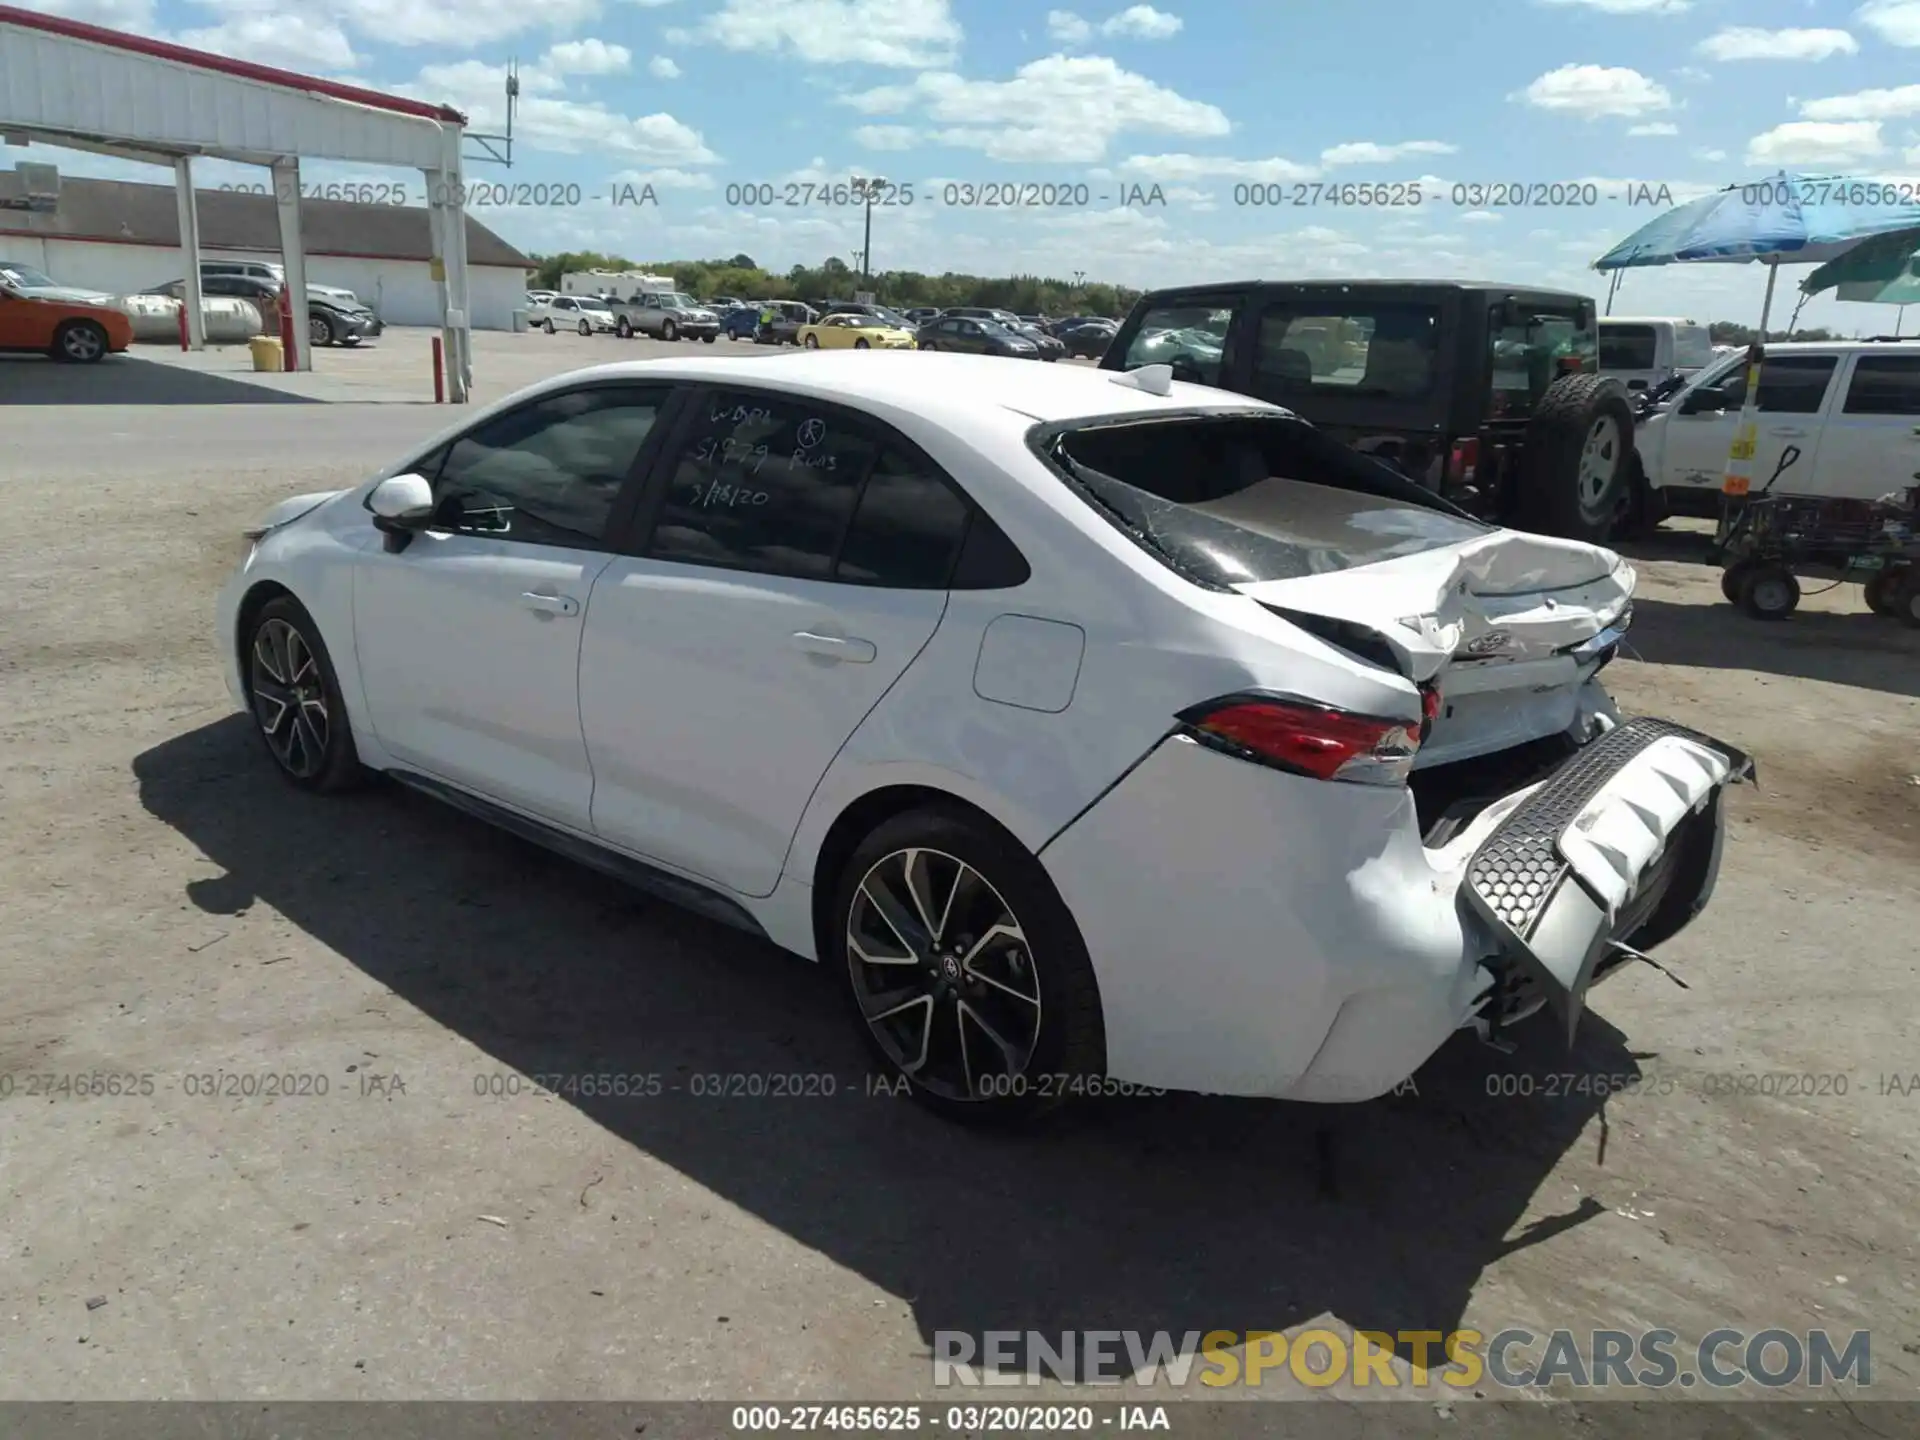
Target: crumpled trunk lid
point(1508, 626)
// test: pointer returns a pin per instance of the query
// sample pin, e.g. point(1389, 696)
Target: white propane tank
point(229, 320)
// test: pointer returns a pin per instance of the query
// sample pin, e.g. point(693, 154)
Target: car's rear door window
point(1884, 385)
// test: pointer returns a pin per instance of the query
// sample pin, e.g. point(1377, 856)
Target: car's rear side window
point(1359, 347)
point(907, 529)
point(1884, 385)
point(1628, 347)
point(1191, 337)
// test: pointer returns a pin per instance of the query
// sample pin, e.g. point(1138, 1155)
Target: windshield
point(26, 275)
point(1628, 347)
point(862, 322)
point(1000, 332)
point(1533, 352)
point(678, 301)
point(1233, 500)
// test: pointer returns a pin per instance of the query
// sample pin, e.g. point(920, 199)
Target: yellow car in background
point(854, 332)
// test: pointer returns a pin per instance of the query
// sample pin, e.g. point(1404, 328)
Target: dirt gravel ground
point(175, 913)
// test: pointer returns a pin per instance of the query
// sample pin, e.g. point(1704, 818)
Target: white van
point(1647, 351)
point(1850, 407)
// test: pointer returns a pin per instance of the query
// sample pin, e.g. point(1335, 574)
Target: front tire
point(861, 345)
point(79, 342)
point(966, 973)
point(709, 338)
point(319, 330)
point(1883, 590)
point(586, 328)
point(1577, 468)
point(669, 331)
point(623, 329)
point(550, 327)
point(1906, 598)
point(295, 698)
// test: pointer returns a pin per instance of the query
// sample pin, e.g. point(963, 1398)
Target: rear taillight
point(1464, 460)
point(1308, 739)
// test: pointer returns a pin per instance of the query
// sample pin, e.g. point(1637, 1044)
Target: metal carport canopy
point(83, 87)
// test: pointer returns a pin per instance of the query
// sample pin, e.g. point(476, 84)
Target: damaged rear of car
point(1419, 812)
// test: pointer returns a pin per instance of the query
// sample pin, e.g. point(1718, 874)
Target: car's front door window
point(547, 473)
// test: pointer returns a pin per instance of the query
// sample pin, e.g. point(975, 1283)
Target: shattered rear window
point(1237, 499)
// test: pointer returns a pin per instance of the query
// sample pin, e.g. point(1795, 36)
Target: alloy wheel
point(290, 698)
point(1599, 464)
point(943, 975)
point(83, 343)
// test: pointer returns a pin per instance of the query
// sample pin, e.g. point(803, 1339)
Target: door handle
point(1789, 434)
point(550, 604)
point(836, 647)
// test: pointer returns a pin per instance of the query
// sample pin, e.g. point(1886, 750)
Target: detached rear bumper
point(1264, 934)
point(1619, 848)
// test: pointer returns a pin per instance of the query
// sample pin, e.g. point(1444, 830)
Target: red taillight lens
point(1310, 739)
point(1464, 460)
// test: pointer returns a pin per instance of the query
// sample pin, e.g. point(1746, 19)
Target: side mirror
point(1707, 397)
point(401, 504)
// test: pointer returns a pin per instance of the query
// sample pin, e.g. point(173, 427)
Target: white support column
point(293, 252)
point(437, 249)
point(453, 252)
point(190, 252)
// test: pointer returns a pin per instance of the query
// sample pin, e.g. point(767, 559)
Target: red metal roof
point(220, 64)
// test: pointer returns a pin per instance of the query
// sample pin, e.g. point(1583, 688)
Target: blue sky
point(1202, 98)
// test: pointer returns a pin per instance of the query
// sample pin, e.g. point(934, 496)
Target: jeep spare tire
point(1576, 474)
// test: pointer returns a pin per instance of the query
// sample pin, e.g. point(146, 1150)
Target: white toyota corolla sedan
point(1102, 732)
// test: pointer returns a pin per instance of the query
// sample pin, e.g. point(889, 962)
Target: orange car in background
point(67, 330)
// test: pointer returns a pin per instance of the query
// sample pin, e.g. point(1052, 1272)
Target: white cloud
point(289, 41)
point(1747, 42)
point(1481, 217)
point(665, 179)
point(1215, 167)
point(132, 15)
point(463, 26)
point(1628, 7)
point(545, 120)
point(1865, 105)
point(1068, 27)
point(1142, 22)
point(1693, 74)
point(1712, 157)
point(1594, 90)
point(1366, 152)
point(1817, 142)
point(908, 34)
point(1657, 127)
point(1065, 109)
point(887, 137)
point(663, 67)
point(1895, 21)
point(586, 57)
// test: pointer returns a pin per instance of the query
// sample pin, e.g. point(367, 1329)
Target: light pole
point(867, 188)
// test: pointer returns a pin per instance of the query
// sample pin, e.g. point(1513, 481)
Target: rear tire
point(1769, 592)
point(927, 1018)
point(1883, 590)
point(1906, 599)
point(1577, 466)
point(861, 345)
point(812, 342)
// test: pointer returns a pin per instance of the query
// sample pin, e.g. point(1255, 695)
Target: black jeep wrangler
point(1488, 394)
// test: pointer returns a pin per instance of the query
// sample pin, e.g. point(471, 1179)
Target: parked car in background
point(539, 308)
point(268, 270)
point(75, 331)
point(982, 312)
point(1645, 353)
point(38, 285)
point(976, 337)
point(920, 314)
point(854, 332)
point(1047, 345)
point(1851, 408)
point(788, 317)
point(720, 304)
point(1088, 339)
point(667, 315)
point(584, 313)
point(741, 322)
point(329, 321)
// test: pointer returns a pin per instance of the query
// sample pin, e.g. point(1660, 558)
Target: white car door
point(1871, 444)
point(793, 563)
point(469, 637)
point(1793, 391)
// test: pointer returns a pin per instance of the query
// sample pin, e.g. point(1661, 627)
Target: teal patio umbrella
point(1882, 271)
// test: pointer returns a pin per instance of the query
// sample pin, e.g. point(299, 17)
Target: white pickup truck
point(1642, 352)
point(1851, 408)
